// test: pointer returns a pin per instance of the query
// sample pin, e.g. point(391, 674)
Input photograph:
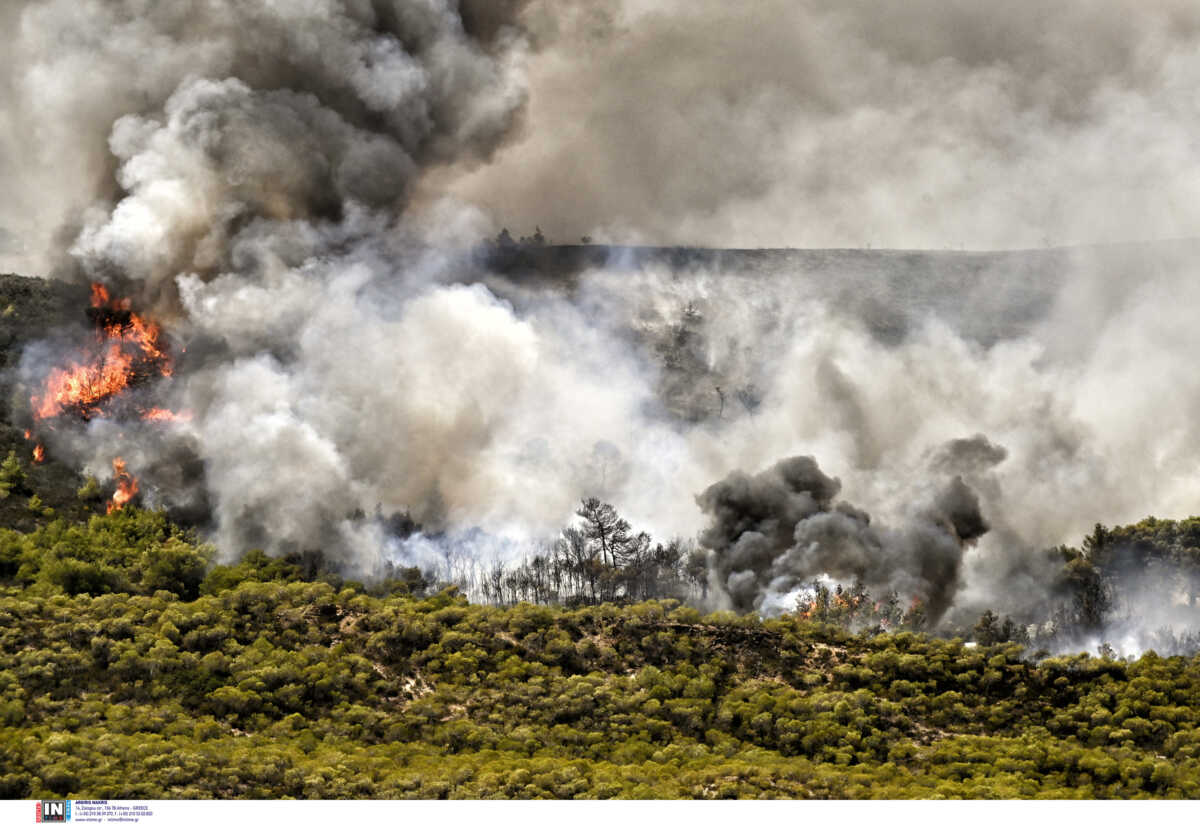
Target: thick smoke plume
point(292, 188)
point(774, 532)
point(261, 111)
point(250, 162)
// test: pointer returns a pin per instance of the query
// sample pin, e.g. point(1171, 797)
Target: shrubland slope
point(133, 667)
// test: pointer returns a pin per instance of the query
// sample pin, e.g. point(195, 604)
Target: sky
point(916, 124)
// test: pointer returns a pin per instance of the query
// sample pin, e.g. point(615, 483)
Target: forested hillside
point(131, 666)
point(135, 665)
point(515, 399)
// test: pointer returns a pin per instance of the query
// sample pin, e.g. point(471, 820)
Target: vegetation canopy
point(134, 667)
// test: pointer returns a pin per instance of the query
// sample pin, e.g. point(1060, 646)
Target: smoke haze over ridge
point(842, 124)
point(292, 188)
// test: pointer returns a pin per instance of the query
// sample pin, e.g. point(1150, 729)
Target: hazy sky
point(924, 123)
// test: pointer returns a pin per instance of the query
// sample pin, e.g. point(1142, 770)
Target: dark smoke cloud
point(773, 533)
point(968, 455)
point(216, 113)
point(770, 503)
point(488, 20)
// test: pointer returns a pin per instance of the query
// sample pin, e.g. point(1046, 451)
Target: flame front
point(127, 486)
point(84, 386)
point(128, 349)
point(166, 416)
point(131, 347)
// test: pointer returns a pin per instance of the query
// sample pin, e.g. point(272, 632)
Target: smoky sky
point(293, 189)
point(773, 123)
point(213, 114)
point(845, 124)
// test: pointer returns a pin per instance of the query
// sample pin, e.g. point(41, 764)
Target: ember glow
point(159, 415)
point(127, 486)
point(39, 453)
point(101, 299)
point(128, 349)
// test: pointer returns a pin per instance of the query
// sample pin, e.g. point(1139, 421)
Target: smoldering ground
point(269, 180)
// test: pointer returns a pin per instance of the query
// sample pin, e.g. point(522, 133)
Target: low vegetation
point(134, 666)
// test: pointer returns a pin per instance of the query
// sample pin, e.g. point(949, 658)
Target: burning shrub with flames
point(127, 486)
point(854, 608)
point(127, 351)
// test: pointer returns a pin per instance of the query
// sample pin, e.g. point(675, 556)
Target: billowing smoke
point(974, 455)
point(774, 532)
point(213, 115)
point(260, 157)
point(843, 123)
point(269, 180)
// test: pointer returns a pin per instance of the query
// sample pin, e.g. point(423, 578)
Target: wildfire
point(129, 348)
point(166, 416)
point(101, 299)
point(127, 486)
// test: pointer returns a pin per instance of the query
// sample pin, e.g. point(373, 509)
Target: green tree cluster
point(132, 666)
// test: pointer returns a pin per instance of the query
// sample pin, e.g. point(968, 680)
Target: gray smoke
point(773, 533)
point(290, 187)
point(843, 123)
point(968, 455)
point(213, 115)
point(241, 170)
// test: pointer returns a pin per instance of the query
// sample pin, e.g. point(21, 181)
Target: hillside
point(33, 310)
point(132, 665)
point(131, 668)
point(986, 295)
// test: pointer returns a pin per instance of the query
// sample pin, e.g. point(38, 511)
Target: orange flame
point(127, 486)
point(84, 385)
point(166, 416)
point(128, 349)
point(133, 348)
point(101, 299)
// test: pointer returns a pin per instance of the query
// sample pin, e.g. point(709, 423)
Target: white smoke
point(249, 170)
